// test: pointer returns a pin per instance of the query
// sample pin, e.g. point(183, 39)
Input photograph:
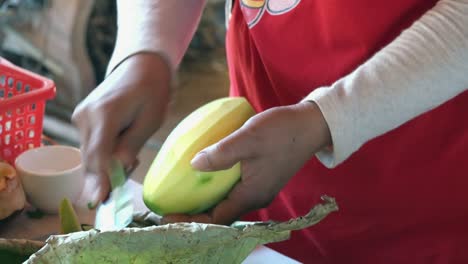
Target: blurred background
point(71, 43)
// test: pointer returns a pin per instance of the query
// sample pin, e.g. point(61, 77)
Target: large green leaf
point(174, 243)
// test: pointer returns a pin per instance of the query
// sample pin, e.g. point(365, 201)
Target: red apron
point(403, 197)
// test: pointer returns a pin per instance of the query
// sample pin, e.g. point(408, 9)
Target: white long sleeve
point(165, 27)
point(424, 67)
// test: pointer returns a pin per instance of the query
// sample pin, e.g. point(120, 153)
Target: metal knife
point(117, 212)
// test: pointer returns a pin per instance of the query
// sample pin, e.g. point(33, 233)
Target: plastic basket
point(22, 103)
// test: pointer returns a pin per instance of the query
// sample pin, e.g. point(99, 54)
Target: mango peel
point(68, 219)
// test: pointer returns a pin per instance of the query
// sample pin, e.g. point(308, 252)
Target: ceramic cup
point(50, 174)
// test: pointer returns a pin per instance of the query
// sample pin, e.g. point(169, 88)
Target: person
point(360, 100)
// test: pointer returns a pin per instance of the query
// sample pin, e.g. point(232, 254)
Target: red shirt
point(403, 196)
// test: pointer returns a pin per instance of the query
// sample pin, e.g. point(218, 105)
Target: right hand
point(117, 117)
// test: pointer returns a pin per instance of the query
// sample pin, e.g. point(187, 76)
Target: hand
point(119, 115)
point(272, 146)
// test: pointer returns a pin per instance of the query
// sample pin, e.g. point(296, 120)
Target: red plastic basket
point(22, 103)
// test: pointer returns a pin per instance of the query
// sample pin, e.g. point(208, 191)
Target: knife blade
point(117, 212)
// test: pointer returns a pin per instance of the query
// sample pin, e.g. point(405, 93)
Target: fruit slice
point(12, 197)
point(68, 220)
point(7, 172)
point(171, 184)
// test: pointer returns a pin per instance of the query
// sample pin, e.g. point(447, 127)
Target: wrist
point(146, 69)
point(150, 61)
point(317, 126)
point(146, 61)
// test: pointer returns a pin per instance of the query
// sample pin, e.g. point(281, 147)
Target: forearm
point(424, 67)
point(157, 26)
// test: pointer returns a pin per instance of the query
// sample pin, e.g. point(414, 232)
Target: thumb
point(224, 154)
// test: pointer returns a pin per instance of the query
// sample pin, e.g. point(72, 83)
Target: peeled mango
point(171, 184)
point(174, 243)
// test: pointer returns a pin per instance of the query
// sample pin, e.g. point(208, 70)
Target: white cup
point(50, 174)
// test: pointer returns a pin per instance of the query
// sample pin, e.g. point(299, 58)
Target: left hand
point(272, 146)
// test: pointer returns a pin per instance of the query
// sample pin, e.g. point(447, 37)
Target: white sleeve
point(421, 69)
point(161, 26)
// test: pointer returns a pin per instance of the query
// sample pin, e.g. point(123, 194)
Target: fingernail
point(200, 161)
point(94, 201)
point(92, 193)
point(129, 169)
point(91, 205)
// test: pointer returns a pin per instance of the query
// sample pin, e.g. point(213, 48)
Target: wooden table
point(22, 226)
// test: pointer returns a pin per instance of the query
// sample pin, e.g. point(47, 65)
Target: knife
point(117, 212)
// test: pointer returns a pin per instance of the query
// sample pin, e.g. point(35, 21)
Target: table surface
point(22, 226)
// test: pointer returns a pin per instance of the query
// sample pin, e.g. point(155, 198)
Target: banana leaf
point(148, 242)
point(14, 251)
point(173, 243)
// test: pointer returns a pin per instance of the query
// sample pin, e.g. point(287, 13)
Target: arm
point(424, 67)
point(117, 117)
point(157, 26)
